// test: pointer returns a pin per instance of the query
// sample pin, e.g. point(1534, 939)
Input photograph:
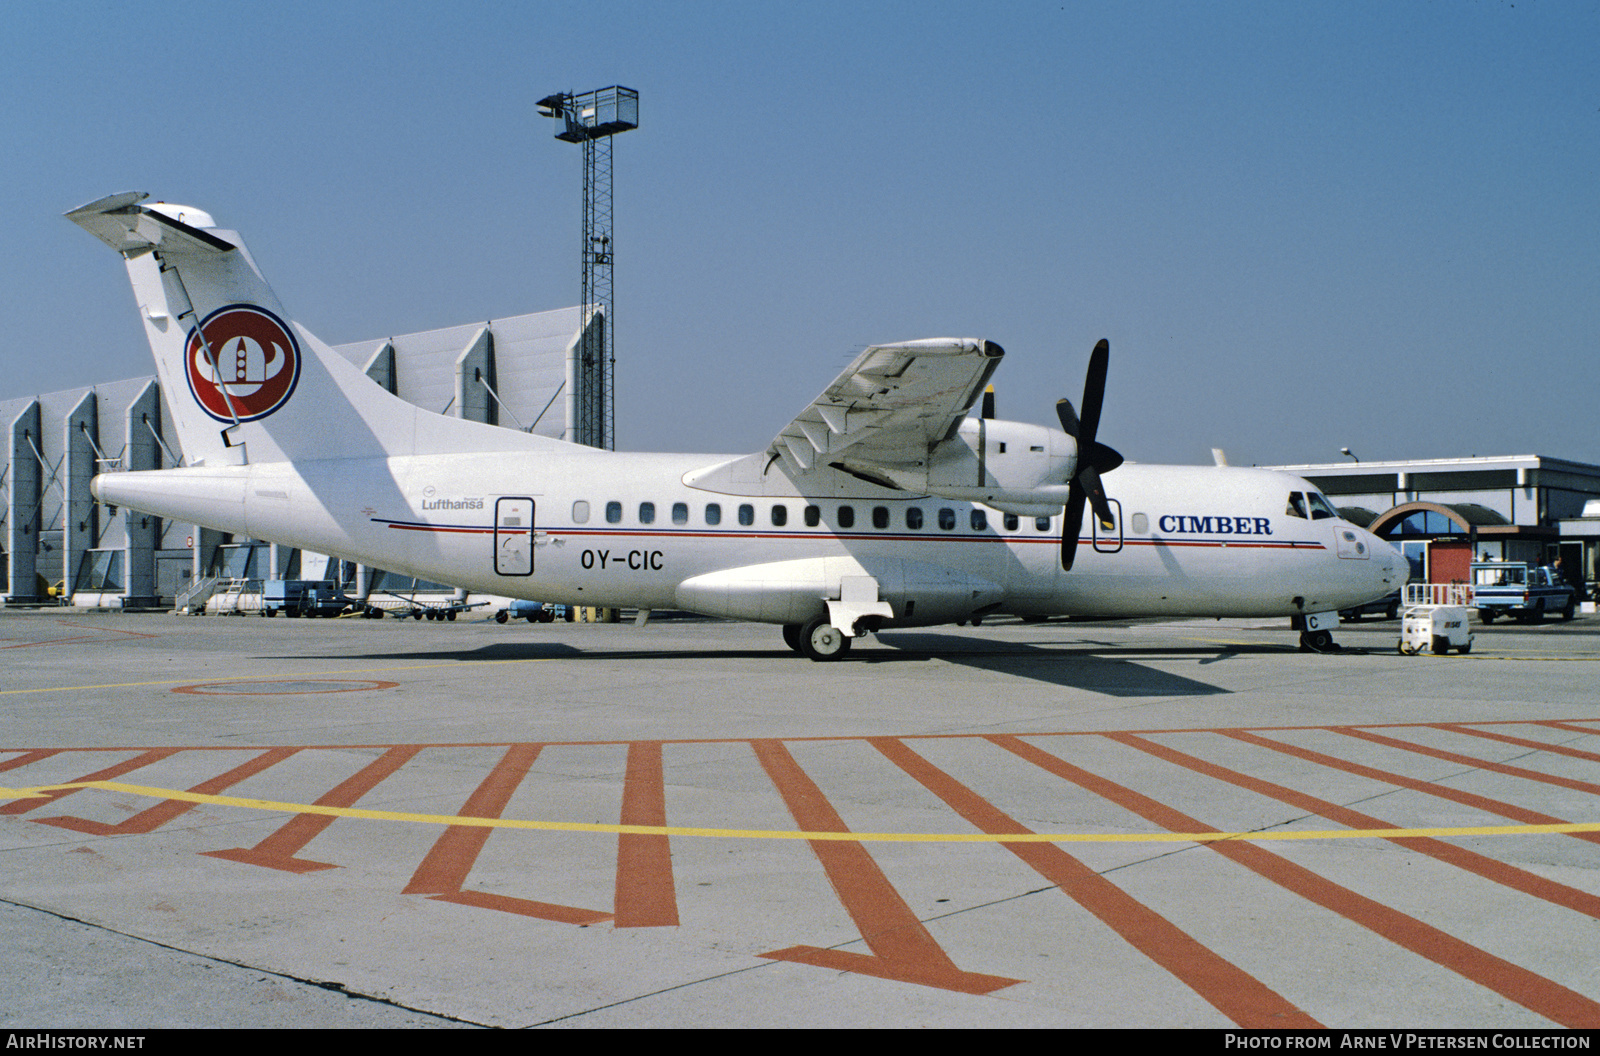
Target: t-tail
point(244, 383)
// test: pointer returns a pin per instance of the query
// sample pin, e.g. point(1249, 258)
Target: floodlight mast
point(591, 119)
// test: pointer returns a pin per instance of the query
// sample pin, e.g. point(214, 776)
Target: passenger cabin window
point(813, 516)
point(1042, 523)
point(847, 516)
point(680, 513)
point(647, 513)
point(613, 513)
point(947, 519)
point(880, 516)
point(1010, 521)
point(780, 516)
point(980, 520)
point(580, 512)
point(914, 518)
point(713, 513)
point(747, 514)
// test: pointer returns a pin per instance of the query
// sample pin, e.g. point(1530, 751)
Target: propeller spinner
point(1094, 458)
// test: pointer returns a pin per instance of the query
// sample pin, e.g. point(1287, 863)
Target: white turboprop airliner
point(881, 505)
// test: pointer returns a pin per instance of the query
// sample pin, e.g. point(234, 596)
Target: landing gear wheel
point(1571, 609)
point(1487, 615)
point(821, 640)
point(1316, 641)
point(791, 636)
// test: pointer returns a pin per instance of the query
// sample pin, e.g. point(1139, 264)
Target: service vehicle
point(1439, 628)
point(1516, 589)
point(422, 607)
point(1387, 606)
point(532, 611)
point(302, 597)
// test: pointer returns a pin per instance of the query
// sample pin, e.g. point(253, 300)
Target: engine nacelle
point(796, 591)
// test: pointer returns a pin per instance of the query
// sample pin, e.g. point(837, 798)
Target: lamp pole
point(590, 119)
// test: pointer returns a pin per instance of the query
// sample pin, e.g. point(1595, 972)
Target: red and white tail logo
point(256, 365)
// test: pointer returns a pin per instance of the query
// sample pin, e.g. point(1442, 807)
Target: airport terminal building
point(1444, 513)
point(57, 545)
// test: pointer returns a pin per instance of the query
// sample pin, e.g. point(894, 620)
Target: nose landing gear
point(1318, 642)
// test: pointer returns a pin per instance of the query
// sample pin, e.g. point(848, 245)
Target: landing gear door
point(513, 537)
point(1107, 540)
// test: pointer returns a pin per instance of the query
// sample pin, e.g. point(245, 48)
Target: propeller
point(1094, 458)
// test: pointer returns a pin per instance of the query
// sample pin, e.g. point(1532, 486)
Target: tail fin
point(243, 382)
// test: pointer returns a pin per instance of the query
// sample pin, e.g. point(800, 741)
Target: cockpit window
point(1321, 508)
point(1297, 505)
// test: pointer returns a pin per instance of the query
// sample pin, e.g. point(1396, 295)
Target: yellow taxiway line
point(42, 791)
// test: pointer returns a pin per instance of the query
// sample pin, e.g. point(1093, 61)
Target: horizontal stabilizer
point(121, 222)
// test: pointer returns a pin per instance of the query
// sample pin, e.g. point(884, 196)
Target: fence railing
point(1439, 594)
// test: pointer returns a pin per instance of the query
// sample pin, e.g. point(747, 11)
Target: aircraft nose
point(1396, 570)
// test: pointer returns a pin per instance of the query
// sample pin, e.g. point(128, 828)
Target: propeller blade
point(1071, 525)
point(1068, 416)
point(1094, 393)
point(1090, 478)
point(1094, 458)
point(988, 403)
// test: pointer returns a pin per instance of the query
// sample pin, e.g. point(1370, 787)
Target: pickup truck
point(1512, 588)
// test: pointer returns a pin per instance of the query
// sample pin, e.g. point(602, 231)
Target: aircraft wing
point(891, 407)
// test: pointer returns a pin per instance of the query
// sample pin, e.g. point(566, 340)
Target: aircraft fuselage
point(596, 528)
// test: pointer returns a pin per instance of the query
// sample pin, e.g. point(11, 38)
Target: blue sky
point(1302, 226)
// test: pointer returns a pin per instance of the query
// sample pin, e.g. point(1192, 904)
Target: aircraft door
point(513, 537)
point(1107, 540)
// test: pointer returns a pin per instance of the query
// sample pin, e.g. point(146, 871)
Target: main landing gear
point(816, 639)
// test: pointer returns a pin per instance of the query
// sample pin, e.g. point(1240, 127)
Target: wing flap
point(893, 405)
